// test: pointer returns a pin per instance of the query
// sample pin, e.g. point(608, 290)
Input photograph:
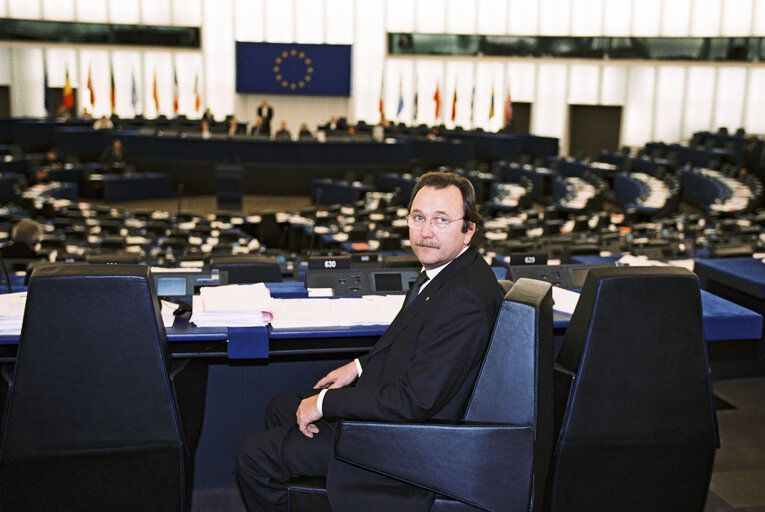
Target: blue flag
point(400, 98)
point(307, 69)
point(134, 95)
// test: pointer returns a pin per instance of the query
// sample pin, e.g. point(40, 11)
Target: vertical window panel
point(668, 120)
point(126, 64)
point(219, 59)
point(155, 12)
point(729, 97)
point(339, 21)
point(61, 59)
point(736, 18)
point(555, 17)
point(460, 16)
point(309, 21)
point(492, 17)
point(398, 84)
point(368, 55)
point(188, 13)
point(646, 18)
point(91, 11)
point(489, 76)
point(587, 17)
point(637, 121)
point(3, 10)
point(521, 81)
point(613, 84)
point(616, 17)
point(159, 65)
point(459, 78)
point(6, 53)
point(97, 63)
point(705, 18)
point(124, 12)
point(248, 20)
point(399, 15)
point(27, 79)
point(431, 16)
point(188, 65)
point(523, 18)
point(758, 23)
point(583, 84)
point(551, 110)
point(59, 10)
point(753, 121)
point(24, 9)
point(279, 26)
point(674, 18)
point(699, 98)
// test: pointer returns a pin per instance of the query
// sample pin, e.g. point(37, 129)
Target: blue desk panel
point(747, 275)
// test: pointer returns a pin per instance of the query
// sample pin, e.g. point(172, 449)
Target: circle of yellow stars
point(292, 54)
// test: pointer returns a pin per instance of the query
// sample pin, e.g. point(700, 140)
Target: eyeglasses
point(439, 222)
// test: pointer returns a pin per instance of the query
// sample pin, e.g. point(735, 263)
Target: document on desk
point(337, 312)
point(235, 305)
point(564, 301)
point(12, 312)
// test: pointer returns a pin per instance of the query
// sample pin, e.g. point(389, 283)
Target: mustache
point(426, 243)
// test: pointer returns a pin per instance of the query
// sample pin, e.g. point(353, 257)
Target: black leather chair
point(99, 417)
point(634, 410)
point(249, 268)
point(497, 457)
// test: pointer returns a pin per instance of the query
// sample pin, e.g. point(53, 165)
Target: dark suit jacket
point(266, 114)
point(423, 367)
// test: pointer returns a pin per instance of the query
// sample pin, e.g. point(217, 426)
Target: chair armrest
point(489, 466)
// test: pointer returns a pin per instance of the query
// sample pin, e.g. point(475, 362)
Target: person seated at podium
point(25, 240)
point(283, 133)
point(257, 129)
point(304, 132)
point(113, 158)
point(422, 368)
point(233, 127)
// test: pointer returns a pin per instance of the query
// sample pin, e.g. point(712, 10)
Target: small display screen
point(388, 282)
point(171, 286)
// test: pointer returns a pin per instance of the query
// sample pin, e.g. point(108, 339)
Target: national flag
point(197, 97)
point(68, 93)
point(175, 92)
point(91, 93)
point(437, 99)
point(155, 93)
point(400, 98)
point(46, 88)
point(454, 103)
point(472, 108)
point(134, 94)
point(381, 105)
point(508, 109)
point(491, 105)
point(415, 101)
point(113, 89)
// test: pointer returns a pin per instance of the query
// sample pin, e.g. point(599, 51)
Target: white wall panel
point(637, 120)
point(97, 61)
point(124, 12)
point(279, 23)
point(127, 64)
point(399, 15)
point(736, 18)
point(428, 74)
point(309, 21)
point(646, 18)
point(188, 66)
point(459, 77)
point(156, 12)
point(758, 21)
point(554, 17)
point(584, 84)
point(523, 18)
point(754, 121)
point(61, 59)
point(729, 97)
point(489, 76)
point(398, 85)
point(159, 65)
point(617, 17)
point(699, 98)
point(705, 18)
point(188, 13)
point(6, 54)
point(461, 16)
point(550, 112)
point(339, 21)
point(218, 57)
point(430, 16)
point(613, 85)
point(587, 17)
point(521, 80)
point(248, 20)
point(91, 11)
point(58, 10)
point(367, 60)
point(24, 9)
point(492, 16)
point(675, 18)
point(668, 113)
point(27, 91)
point(3, 10)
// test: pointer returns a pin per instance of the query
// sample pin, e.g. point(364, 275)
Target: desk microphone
point(315, 212)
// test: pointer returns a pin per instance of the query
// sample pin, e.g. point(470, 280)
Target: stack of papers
point(235, 305)
point(12, 312)
point(341, 312)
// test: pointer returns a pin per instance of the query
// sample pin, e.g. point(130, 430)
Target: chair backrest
point(92, 421)
point(514, 386)
point(249, 268)
point(634, 406)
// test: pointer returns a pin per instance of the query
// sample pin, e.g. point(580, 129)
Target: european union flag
point(310, 69)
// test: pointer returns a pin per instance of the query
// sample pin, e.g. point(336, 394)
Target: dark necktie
point(415, 289)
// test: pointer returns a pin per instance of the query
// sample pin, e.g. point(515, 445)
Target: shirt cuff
point(320, 400)
point(358, 366)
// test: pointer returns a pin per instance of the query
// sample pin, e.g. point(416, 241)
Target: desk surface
point(746, 275)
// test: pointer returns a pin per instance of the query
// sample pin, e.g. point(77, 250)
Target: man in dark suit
point(25, 237)
point(266, 113)
point(422, 368)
